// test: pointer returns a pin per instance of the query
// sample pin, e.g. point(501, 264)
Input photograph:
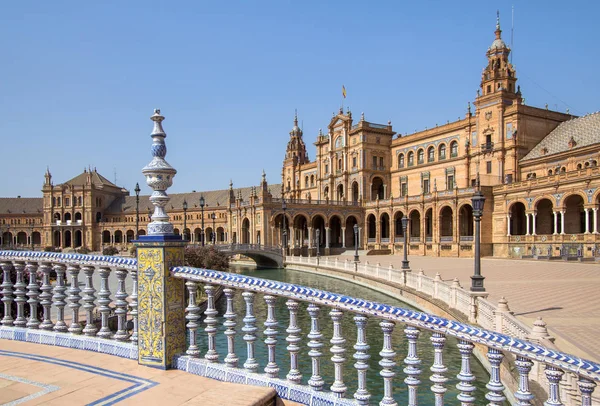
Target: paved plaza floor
point(565, 294)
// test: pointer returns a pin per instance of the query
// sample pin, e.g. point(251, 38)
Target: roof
point(97, 179)
point(212, 198)
point(21, 205)
point(584, 131)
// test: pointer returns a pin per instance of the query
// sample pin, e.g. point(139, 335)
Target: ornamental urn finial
point(159, 176)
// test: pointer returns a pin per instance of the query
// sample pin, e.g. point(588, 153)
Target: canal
point(452, 358)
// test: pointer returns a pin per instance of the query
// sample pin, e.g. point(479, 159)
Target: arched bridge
point(266, 256)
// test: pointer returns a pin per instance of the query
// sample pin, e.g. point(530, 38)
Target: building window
point(411, 158)
point(453, 149)
point(425, 186)
point(354, 162)
point(450, 182)
point(381, 163)
point(312, 180)
point(306, 181)
point(430, 154)
point(374, 162)
point(442, 153)
point(488, 167)
point(474, 138)
point(403, 189)
point(326, 168)
point(421, 156)
point(67, 202)
point(401, 161)
point(340, 164)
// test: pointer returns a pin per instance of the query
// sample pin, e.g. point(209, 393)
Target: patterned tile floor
point(32, 374)
point(565, 294)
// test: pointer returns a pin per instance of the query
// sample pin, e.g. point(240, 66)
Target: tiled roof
point(21, 205)
point(97, 179)
point(212, 198)
point(584, 131)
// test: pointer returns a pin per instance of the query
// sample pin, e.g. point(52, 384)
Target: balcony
point(487, 147)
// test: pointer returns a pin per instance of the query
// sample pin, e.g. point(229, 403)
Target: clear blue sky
point(80, 79)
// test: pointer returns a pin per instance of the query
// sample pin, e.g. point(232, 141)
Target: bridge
point(264, 256)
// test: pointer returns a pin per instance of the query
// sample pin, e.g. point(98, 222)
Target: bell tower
point(295, 155)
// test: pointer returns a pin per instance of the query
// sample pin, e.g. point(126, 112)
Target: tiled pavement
point(565, 294)
point(35, 374)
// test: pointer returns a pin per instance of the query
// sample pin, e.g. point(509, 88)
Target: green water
point(374, 339)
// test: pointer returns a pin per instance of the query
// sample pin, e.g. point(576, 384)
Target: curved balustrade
point(314, 301)
point(66, 300)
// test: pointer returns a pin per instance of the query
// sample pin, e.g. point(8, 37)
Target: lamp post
point(214, 235)
point(31, 236)
point(137, 211)
point(405, 262)
point(185, 207)
point(318, 241)
point(202, 217)
point(356, 259)
point(477, 200)
point(284, 207)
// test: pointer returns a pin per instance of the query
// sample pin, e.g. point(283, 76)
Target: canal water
point(452, 358)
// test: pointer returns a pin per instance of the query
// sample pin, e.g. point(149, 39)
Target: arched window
point(579, 167)
point(312, 180)
point(430, 154)
point(306, 181)
point(442, 151)
point(421, 156)
point(453, 149)
point(400, 161)
point(411, 158)
point(550, 172)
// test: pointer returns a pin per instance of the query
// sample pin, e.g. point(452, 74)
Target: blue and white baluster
point(20, 292)
point(554, 375)
point(361, 356)
point(387, 362)
point(192, 316)
point(495, 387)
point(90, 328)
point(121, 306)
point(272, 370)
point(466, 378)
point(46, 296)
point(438, 378)
point(231, 360)
point(134, 306)
point(7, 294)
point(412, 363)
point(250, 332)
point(315, 344)
point(59, 298)
point(211, 324)
point(33, 292)
point(104, 302)
point(74, 298)
point(523, 394)
point(293, 339)
point(337, 349)
point(586, 387)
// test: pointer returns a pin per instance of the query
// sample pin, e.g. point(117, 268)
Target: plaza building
point(537, 168)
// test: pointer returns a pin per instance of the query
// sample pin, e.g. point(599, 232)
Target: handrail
point(78, 259)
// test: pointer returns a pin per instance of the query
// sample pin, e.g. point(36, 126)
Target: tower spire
point(498, 30)
point(295, 117)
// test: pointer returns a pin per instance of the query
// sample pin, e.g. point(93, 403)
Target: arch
point(442, 151)
point(517, 218)
point(414, 224)
point(318, 223)
point(453, 149)
point(141, 232)
point(544, 219)
point(130, 235)
point(175, 231)
point(119, 236)
point(340, 192)
point(410, 158)
point(37, 238)
point(22, 238)
point(106, 237)
point(465, 221)
point(78, 216)
point(7, 238)
point(377, 188)
point(300, 230)
point(355, 191)
point(371, 227)
point(220, 234)
point(78, 239)
point(351, 239)
point(56, 239)
point(574, 214)
point(306, 181)
point(446, 223)
point(421, 156)
point(186, 234)
point(335, 231)
point(57, 216)
point(245, 231)
point(281, 235)
point(384, 229)
point(430, 154)
point(67, 217)
point(312, 180)
point(67, 238)
point(198, 235)
point(400, 161)
point(549, 172)
point(398, 231)
point(429, 224)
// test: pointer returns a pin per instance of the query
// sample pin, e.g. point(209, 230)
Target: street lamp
point(284, 207)
point(318, 241)
point(137, 210)
point(185, 207)
point(356, 259)
point(477, 200)
point(214, 235)
point(202, 202)
point(405, 265)
point(31, 236)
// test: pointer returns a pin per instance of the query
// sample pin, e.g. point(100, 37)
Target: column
point(310, 238)
point(527, 223)
point(587, 220)
point(562, 222)
point(508, 225)
point(534, 214)
point(555, 222)
point(292, 237)
point(595, 220)
point(327, 236)
point(343, 237)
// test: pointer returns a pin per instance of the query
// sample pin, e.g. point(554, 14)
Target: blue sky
point(81, 79)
